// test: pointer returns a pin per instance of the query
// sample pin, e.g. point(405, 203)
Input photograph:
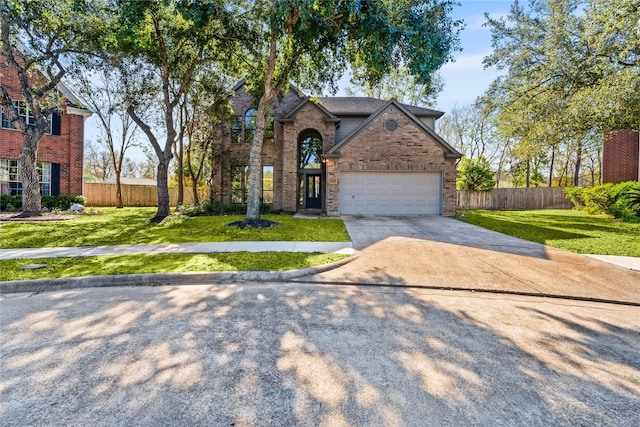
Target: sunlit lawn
point(161, 263)
point(132, 226)
point(572, 230)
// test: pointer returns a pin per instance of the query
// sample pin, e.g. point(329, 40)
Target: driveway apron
point(436, 251)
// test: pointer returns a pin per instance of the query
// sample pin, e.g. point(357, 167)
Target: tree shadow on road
point(301, 354)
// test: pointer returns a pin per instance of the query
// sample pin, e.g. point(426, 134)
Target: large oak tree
point(311, 42)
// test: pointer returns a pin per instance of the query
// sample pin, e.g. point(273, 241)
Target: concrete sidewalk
point(178, 248)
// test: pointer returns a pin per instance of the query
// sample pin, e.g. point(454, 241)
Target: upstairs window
point(243, 128)
point(26, 114)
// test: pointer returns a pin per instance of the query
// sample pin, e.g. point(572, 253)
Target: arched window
point(310, 151)
point(249, 125)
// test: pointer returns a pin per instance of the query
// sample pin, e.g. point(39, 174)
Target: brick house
point(339, 155)
point(621, 157)
point(60, 151)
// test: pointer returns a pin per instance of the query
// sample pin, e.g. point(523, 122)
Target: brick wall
point(409, 149)
point(65, 149)
point(236, 154)
point(621, 157)
point(308, 118)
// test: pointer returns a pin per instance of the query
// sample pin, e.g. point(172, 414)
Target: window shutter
point(55, 179)
point(56, 121)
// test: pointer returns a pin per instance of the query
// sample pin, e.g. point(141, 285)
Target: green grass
point(572, 230)
point(132, 226)
point(161, 263)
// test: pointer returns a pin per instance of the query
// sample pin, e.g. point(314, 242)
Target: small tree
point(102, 90)
point(475, 175)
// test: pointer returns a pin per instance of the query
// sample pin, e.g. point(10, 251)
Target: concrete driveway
point(436, 251)
point(315, 355)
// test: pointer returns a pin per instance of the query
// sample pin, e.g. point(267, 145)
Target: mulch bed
point(46, 216)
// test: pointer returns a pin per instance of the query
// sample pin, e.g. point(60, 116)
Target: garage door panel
point(372, 193)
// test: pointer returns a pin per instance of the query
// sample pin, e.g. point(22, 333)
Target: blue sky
point(466, 79)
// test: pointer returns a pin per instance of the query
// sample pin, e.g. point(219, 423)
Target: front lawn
point(132, 226)
point(161, 263)
point(572, 230)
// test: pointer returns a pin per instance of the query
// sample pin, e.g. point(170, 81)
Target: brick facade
point(412, 148)
point(621, 157)
point(66, 149)
point(408, 149)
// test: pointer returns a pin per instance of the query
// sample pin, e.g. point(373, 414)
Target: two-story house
point(60, 151)
point(340, 155)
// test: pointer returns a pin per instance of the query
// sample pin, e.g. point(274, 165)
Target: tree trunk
point(119, 202)
point(31, 199)
point(180, 200)
point(576, 174)
point(528, 174)
point(255, 163)
point(163, 188)
point(553, 160)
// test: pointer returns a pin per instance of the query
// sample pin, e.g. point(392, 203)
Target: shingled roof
point(364, 106)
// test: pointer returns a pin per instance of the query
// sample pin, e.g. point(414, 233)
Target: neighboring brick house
point(60, 151)
point(340, 155)
point(621, 157)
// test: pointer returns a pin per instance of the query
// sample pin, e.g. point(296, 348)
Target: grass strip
point(132, 226)
point(161, 263)
point(571, 230)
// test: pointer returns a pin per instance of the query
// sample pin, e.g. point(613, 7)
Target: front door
point(312, 192)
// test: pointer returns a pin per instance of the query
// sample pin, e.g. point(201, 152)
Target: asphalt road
point(312, 354)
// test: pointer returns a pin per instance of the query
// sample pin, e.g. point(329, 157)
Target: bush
point(619, 200)
point(10, 203)
point(61, 202)
point(216, 208)
point(475, 175)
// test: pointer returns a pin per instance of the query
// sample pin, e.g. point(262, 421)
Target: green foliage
point(569, 68)
point(10, 203)
point(619, 200)
point(475, 175)
point(162, 263)
point(572, 230)
point(61, 202)
point(132, 226)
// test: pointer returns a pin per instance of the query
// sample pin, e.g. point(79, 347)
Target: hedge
point(61, 202)
point(620, 200)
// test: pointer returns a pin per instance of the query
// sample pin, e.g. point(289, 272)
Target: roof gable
point(328, 116)
point(450, 152)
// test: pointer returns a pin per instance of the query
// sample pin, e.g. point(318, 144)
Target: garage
point(390, 193)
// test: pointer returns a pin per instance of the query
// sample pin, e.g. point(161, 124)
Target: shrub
point(216, 208)
point(475, 175)
point(10, 203)
point(61, 202)
point(619, 200)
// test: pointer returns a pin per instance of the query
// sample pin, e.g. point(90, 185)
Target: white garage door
point(379, 193)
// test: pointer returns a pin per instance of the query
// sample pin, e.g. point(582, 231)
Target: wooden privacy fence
point(101, 195)
point(514, 199)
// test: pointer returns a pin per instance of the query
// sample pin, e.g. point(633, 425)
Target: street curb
point(474, 290)
point(164, 279)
